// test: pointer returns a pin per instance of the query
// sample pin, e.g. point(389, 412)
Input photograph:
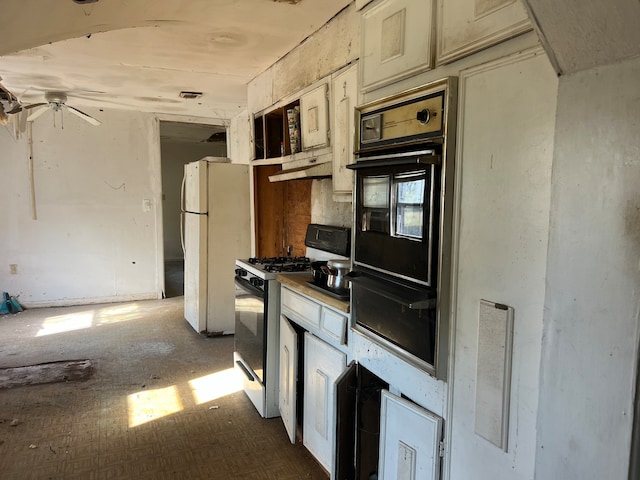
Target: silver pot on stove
point(336, 271)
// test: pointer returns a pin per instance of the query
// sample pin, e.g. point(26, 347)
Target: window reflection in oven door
point(250, 331)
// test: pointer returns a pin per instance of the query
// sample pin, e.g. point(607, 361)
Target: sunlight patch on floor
point(216, 385)
point(149, 405)
point(88, 318)
point(66, 323)
point(117, 314)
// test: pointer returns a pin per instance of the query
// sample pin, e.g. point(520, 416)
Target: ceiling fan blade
point(33, 105)
point(84, 116)
point(15, 109)
point(38, 113)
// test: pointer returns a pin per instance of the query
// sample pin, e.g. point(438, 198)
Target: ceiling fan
point(8, 102)
point(56, 101)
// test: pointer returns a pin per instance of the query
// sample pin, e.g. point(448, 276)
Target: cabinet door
point(314, 118)
point(288, 376)
point(323, 365)
point(466, 26)
point(409, 440)
point(345, 98)
point(397, 41)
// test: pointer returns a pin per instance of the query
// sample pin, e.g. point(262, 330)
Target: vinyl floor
point(162, 402)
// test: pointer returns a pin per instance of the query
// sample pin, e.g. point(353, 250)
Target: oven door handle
point(246, 285)
point(411, 297)
point(423, 157)
point(245, 370)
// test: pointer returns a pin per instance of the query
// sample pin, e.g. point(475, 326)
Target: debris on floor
point(14, 422)
point(50, 372)
point(9, 304)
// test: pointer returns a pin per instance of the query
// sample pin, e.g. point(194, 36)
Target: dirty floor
point(162, 402)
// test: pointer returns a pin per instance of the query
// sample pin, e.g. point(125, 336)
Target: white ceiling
point(139, 54)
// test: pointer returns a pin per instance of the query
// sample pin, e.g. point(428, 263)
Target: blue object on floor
point(9, 304)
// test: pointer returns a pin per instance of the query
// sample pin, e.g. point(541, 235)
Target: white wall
point(591, 322)
point(92, 240)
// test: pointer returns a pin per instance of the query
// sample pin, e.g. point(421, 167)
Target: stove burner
point(282, 264)
point(287, 267)
point(281, 260)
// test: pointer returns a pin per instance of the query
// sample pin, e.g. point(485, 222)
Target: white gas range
point(257, 310)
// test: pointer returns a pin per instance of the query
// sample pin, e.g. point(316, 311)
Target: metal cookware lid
point(339, 263)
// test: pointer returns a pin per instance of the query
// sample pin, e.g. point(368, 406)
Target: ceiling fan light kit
point(57, 101)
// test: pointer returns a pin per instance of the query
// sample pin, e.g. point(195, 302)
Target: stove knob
point(241, 272)
point(256, 282)
point(423, 116)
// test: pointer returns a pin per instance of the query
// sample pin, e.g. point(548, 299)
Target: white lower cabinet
point(323, 365)
point(309, 326)
point(409, 440)
point(288, 376)
point(408, 446)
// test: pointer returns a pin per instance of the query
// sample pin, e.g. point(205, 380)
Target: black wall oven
point(397, 208)
point(402, 223)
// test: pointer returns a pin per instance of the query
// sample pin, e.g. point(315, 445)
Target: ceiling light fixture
point(190, 95)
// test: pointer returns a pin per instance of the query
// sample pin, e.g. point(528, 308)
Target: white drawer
point(305, 308)
point(334, 325)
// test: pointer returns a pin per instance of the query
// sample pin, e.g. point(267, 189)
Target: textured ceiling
point(139, 54)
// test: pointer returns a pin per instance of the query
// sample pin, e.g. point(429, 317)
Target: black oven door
point(396, 217)
point(250, 334)
point(399, 314)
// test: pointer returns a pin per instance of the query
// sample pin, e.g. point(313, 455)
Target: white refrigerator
point(216, 228)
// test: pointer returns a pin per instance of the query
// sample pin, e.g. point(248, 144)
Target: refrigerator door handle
point(184, 252)
point(184, 179)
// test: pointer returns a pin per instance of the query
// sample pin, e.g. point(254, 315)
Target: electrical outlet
point(13, 268)
point(146, 205)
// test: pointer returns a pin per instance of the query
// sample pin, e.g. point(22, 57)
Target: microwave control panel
point(412, 117)
point(416, 118)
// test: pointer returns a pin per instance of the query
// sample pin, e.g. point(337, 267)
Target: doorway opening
point(181, 143)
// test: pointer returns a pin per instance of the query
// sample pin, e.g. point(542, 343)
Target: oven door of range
point(250, 342)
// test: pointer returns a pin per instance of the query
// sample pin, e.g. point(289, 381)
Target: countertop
point(299, 282)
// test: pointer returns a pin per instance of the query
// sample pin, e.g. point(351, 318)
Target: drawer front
point(304, 308)
point(334, 325)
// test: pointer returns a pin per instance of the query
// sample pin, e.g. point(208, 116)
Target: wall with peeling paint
point(95, 239)
point(329, 49)
point(591, 323)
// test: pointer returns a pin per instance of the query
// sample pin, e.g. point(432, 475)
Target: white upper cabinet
point(397, 41)
point(314, 118)
point(345, 98)
point(466, 26)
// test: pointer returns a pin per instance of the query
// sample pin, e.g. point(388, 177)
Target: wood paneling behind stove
point(297, 214)
point(282, 211)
